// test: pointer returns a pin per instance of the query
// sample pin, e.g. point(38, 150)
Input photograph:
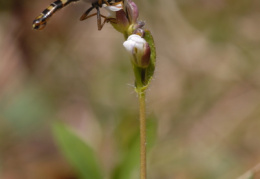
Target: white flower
point(134, 41)
point(112, 9)
point(139, 49)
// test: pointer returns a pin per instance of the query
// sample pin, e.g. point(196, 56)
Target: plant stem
point(142, 107)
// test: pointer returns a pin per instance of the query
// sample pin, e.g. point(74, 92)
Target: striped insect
point(41, 21)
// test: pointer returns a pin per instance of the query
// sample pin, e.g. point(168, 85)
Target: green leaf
point(251, 176)
point(77, 152)
point(144, 75)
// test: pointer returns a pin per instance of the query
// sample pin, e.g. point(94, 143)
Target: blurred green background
point(205, 95)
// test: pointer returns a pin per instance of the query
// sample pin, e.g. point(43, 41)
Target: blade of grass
point(77, 152)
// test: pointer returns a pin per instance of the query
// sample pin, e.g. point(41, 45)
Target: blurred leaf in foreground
point(131, 158)
point(77, 152)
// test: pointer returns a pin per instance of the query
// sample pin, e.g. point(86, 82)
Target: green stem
point(142, 107)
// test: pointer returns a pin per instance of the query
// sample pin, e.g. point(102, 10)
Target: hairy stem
point(142, 107)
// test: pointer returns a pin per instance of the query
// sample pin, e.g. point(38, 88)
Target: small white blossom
point(139, 49)
point(134, 41)
point(112, 9)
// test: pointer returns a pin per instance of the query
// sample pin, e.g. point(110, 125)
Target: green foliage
point(131, 157)
point(251, 177)
point(78, 153)
point(26, 110)
point(83, 159)
point(144, 75)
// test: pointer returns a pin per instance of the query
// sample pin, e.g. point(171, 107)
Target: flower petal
point(139, 49)
point(114, 8)
point(129, 45)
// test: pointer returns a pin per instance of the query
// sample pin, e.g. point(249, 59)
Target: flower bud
point(139, 49)
point(139, 32)
point(139, 24)
point(132, 11)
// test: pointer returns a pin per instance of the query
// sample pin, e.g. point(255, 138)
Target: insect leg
point(40, 21)
point(85, 15)
point(98, 19)
point(94, 15)
point(105, 19)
